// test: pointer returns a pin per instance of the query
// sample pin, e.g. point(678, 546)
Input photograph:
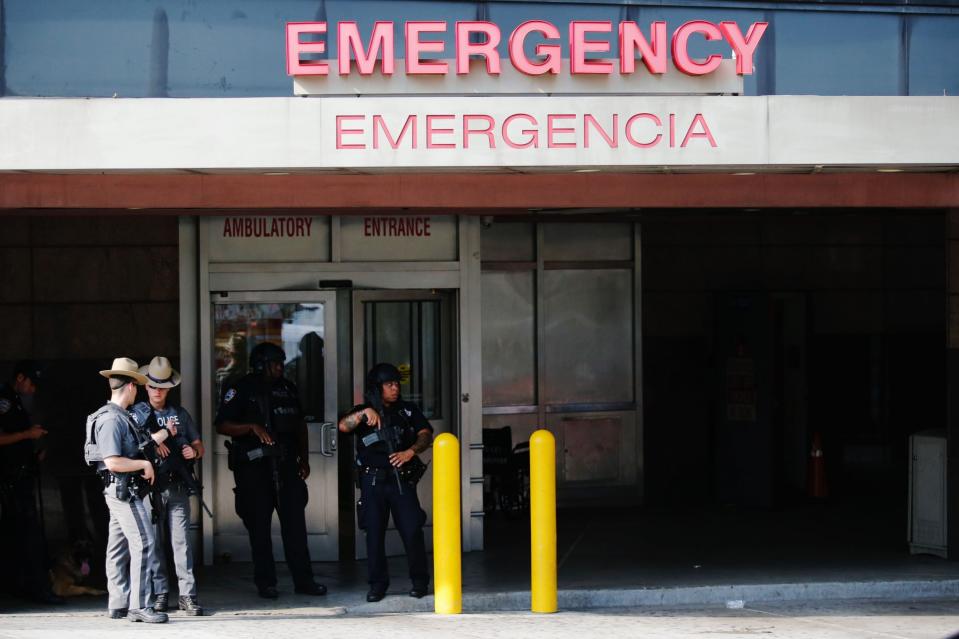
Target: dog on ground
point(71, 568)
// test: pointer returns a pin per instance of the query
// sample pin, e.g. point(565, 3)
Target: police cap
point(29, 369)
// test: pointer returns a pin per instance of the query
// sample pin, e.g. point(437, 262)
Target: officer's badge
point(408, 412)
point(230, 394)
point(5, 406)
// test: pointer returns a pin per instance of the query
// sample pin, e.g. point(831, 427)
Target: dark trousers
point(256, 500)
point(382, 497)
point(22, 547)
point(79, 495)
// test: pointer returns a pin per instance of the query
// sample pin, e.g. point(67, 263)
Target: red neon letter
point(340, 132)
point(744, 47)
point(430, 130)
point(533, 134)
point(487, 49)
point(378, 124)
point(705, 133)
point(295, 66)
point(488, 131)
point(681, 48)
point(552, 131)
point(348, 39)
point(588, 120)
point(653, 53)
point(579, 46)
point(629, 130)
point(552, 51)
point(414, 47)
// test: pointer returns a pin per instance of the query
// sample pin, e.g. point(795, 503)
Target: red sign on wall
point(396, 227)
point(478, 39)
point(267, 226)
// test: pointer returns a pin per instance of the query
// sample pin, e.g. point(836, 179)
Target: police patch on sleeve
point(230, 394)
point(5, 406)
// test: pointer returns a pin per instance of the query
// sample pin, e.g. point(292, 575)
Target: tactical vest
point(91, 450)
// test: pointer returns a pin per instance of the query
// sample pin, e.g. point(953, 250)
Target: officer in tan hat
point(113, 444)
point(171, 498)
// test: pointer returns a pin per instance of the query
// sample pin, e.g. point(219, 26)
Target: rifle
point(263, 391)
point(389, 435)
point(173, 465)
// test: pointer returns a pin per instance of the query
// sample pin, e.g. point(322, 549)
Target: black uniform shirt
point(14, 419)
point(405, 416)
point(241, 404)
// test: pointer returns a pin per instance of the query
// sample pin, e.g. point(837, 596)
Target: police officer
point(235, 368)
point(269, 458)
point(171, 505)
point(380, 491)
point(113, 443)
point(23, 546)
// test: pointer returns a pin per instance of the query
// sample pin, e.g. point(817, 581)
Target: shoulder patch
point(5, 406)
point(230, 394)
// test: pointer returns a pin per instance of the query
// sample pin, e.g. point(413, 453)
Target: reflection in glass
point(407, 335)
point(297, 328)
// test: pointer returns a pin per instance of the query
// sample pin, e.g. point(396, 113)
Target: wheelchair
point(505, 472)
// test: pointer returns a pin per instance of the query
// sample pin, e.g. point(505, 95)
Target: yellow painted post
point(447, 569)
point(542, 513)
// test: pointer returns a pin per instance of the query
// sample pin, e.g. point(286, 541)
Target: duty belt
point(106, 477)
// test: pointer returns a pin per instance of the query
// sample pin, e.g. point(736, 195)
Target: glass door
point(304, 325)
point(413, 330)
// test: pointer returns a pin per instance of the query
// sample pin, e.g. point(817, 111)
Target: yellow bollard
point(447, 570)
point(542, 513)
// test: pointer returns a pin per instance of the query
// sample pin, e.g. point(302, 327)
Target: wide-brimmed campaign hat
point(125, 367)
point(160, 373)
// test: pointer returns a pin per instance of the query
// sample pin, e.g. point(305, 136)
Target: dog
point(71, 568)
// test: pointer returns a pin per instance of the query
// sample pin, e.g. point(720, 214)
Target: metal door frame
point(328, 299)
point(449, 373)
point(448, 377)
point(200, 280)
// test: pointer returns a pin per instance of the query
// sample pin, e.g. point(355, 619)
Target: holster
point(412, 471)
point(128, 485)
point(361, 514)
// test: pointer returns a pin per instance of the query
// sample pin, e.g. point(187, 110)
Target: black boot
point(312, 589)
point(190, 606)
point(147, 615)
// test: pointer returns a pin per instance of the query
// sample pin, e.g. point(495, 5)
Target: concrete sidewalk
point(228, 589)
point(626, 559)
point(926, 619)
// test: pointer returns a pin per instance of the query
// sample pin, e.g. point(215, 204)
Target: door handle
point(328, 439)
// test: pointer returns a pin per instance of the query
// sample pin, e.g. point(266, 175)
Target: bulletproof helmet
point(264, 353)
point(380, 374)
